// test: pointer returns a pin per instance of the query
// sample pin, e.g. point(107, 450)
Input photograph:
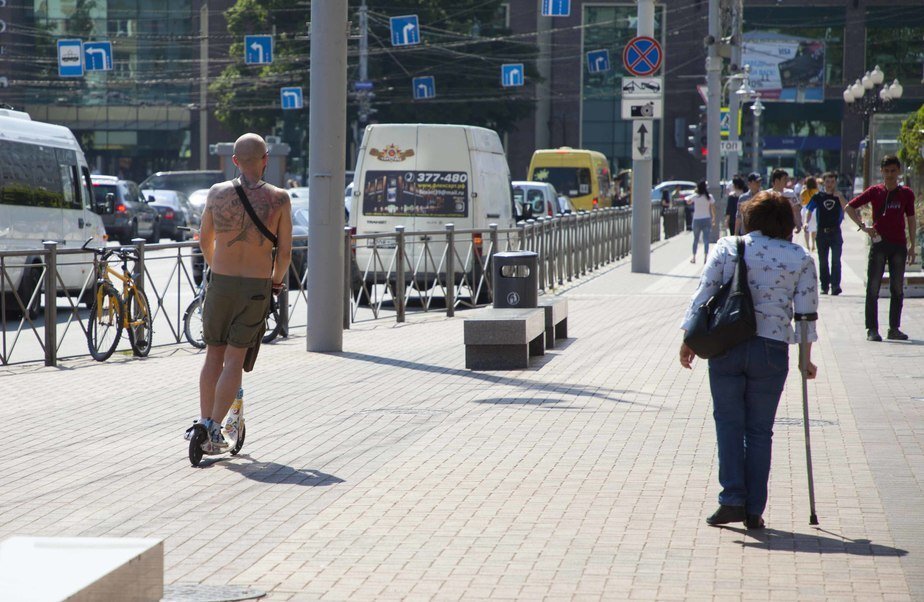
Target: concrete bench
point(556, 319)
point(503, 339)
point(913, 285)
point(81, 569)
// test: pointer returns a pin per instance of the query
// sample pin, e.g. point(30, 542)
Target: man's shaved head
point(249, 148)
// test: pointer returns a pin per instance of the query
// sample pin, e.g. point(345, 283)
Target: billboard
point(416, 193)
point(785, 68)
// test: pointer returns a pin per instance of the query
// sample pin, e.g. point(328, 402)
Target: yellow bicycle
point(112, 312)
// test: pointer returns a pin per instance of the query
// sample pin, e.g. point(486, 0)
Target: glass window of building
point(895, 41)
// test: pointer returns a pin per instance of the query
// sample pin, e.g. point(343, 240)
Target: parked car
point(131, 215)
point(175, 212)
point(538, 199)
point(197, 199)
point(185, 181)
point(686, 187)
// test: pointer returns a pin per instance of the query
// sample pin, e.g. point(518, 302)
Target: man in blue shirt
point(827, 207)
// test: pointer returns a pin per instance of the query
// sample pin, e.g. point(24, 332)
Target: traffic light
point(693, 136)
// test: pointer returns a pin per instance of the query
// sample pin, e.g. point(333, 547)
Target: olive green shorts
point(235, 310)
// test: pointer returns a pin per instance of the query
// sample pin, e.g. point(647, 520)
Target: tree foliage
point(464, 44)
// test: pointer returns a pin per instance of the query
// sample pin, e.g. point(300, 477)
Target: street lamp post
point(867, 96)
point(757, 108)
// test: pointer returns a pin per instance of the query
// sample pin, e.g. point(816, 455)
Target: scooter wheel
point(199, 437)
point(240, 440)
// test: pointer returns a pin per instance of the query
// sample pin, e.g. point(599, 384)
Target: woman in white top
point(747, 381)
point(703, 217)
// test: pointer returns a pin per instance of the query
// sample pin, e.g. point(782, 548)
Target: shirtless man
point(244, 276)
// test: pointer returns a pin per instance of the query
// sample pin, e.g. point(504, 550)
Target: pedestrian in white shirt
point(703, 205)
point(778, 180)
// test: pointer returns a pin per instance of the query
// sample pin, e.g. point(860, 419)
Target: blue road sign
point(512, 75)
point(97, 56)
point(405, 31)
point(556, 8)
point(70, 58)
point(292, 98)
point(424, 87)
point(258, 50)
point(598, 61)
point(362, 86)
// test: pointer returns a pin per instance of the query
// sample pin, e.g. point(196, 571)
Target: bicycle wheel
point(192, 323)
point(140, 326)
point(104, 324)
point(273, 325)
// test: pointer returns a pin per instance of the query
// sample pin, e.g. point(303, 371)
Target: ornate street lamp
point(869, 94)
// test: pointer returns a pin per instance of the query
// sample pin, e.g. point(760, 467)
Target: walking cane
point(803, 320)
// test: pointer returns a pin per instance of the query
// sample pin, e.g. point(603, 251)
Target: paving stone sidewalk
point(390, 472)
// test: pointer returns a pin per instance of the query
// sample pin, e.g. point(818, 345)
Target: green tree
point(464, 44)
point(911, 145)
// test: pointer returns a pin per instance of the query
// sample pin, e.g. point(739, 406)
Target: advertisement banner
point(785, 68)
point(416, 193)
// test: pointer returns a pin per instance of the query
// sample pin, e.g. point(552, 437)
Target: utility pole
point(734, 99)
point(365, 95)
point(714, 112)
point(544, 87)
point(327, 149)
point(204, 86)
point(641, 172)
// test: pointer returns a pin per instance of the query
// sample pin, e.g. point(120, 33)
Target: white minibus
point(45, 195)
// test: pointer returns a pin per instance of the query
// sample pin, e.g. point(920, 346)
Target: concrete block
point(556, 319)
point(81, 569)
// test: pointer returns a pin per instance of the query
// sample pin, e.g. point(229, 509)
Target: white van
point(424, 176)
point(45, 194)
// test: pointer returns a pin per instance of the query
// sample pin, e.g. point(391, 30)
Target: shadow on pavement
point(271, 472)
point(776, 540)
point(496, 378)
point(545, 404)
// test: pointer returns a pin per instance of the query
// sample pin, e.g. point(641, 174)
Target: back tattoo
point(229, 215)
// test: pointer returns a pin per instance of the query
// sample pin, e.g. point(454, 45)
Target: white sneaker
point(216, 443)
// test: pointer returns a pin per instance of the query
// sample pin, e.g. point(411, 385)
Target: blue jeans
point(746, 385)
point(702, 225)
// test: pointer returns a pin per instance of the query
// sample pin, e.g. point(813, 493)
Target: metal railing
point(386, 275)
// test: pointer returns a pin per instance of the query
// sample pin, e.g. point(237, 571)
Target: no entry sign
point(642, 56)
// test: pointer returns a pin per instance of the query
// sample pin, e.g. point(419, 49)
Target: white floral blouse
point(781, 276)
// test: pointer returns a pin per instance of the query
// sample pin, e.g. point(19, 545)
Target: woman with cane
point(747, 380)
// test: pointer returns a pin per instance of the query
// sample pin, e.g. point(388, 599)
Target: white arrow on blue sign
point(556, 8)
point(424, 87)
point(405, 31)
point(70, 58)
point(97, 56)
point(512, 75)
point(598, 61)
point(258, 50)
point(292, 98)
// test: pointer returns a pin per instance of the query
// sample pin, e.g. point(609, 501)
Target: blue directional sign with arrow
point(70, 58)
point(556, 8)
point(405, 31)
point(424, 87)
point(512, 75)
point(258, 50)
point(97, 56)
point(291, 98)
point(598, 61)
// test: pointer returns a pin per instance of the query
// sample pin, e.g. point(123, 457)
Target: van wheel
point(29, 284)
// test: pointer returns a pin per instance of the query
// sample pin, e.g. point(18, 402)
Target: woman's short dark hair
point(771, 213)
point(811, 183)
point(701, 188)
point(738, 182)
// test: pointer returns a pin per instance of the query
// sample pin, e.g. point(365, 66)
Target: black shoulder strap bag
point(727, 318)
point(251, 357)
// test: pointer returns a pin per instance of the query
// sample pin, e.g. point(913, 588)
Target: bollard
point(347, 277)
point(450, 270)
point(51, 302)
point(138, 275)
point(400, 286)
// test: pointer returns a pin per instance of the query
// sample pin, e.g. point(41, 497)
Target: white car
point(197, 199)
point(687, 187)
point(538, 199)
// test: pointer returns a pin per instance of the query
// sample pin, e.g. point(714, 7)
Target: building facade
point(801, 132)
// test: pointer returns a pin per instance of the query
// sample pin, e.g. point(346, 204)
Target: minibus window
point(30, 175)
point(571, 181)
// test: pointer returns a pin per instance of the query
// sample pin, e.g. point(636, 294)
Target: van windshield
point(572, 181)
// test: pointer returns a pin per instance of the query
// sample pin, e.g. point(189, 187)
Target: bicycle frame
point(106, 273)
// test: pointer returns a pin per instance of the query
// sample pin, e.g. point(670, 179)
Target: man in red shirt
point(893, 209)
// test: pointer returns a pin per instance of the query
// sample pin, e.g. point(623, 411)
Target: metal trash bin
point(516, 279)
